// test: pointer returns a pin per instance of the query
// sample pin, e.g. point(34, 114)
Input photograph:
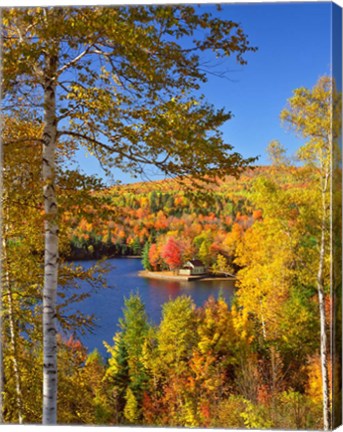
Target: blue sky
point(294, 50)
point(293, 43)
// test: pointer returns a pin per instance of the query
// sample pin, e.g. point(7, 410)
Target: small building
point(193, 267)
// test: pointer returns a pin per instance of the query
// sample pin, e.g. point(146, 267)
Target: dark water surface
point(107, 304)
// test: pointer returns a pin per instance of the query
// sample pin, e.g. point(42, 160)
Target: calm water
point(123, 279)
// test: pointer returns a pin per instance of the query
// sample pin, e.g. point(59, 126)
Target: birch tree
point(311, 113)
point(20, 174)
point(124, 83)
point(22, 249)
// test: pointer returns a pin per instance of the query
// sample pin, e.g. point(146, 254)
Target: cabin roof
point(196, 263)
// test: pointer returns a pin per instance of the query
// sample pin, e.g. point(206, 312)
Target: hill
point(130, 217)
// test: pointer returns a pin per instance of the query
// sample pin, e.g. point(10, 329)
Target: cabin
point(193, 267)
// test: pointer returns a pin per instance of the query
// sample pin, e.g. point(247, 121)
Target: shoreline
point(174, 277)
point(103, 257)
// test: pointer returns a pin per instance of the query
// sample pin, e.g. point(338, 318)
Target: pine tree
point(126, 370)
point(145, 257)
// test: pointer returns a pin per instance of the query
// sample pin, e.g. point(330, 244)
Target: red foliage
point(74, 344)
point(171, 254)
point(77, 349)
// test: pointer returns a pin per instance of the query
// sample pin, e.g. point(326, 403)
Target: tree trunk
point(13, 341)
point(263, 322)
point(51, 246)
point(321, 301)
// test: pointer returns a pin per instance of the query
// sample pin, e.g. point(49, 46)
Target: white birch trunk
point(322, 315)
point(263, 322)
point(13, 343)
point(51, 247)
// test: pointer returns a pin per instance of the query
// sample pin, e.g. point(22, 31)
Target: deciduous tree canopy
point(126, 81)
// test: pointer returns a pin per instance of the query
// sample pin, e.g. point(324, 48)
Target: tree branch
point(131, 156)
point(73, 61)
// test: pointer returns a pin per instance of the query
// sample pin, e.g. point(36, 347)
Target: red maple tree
point(171, 254)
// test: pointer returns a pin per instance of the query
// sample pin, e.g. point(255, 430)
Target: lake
point(107, 304)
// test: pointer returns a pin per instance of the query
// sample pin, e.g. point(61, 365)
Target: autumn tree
point(168, 362)
point(178, 322)
point(310, 114)
point(265, 254)
point(276, 288)
point(121, 83)
point(220, 265)
point(213, 358)
point(154, 256)
point(19, 192)
point(204, 253)
point(277, 154)
point(171, 254)
point(93, 374)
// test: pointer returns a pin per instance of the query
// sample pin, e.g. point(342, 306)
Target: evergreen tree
point(145, 257)
point(153, 202)
point(126, 371)
point(136, 246)
point(117, 374)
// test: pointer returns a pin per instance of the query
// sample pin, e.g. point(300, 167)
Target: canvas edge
point(336, 228)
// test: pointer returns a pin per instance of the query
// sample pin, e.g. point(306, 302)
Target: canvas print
point(171, 215)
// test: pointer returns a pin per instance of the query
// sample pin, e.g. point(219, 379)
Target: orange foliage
point(154, 256)
point(257, 214)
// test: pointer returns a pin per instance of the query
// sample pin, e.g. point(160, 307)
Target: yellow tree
point(313, 115)
point(276, 280)
point(21, 178)
point(266, 255)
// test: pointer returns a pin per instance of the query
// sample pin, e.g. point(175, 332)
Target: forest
point(125, 84)
point(145, 219)
point(254, 365)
